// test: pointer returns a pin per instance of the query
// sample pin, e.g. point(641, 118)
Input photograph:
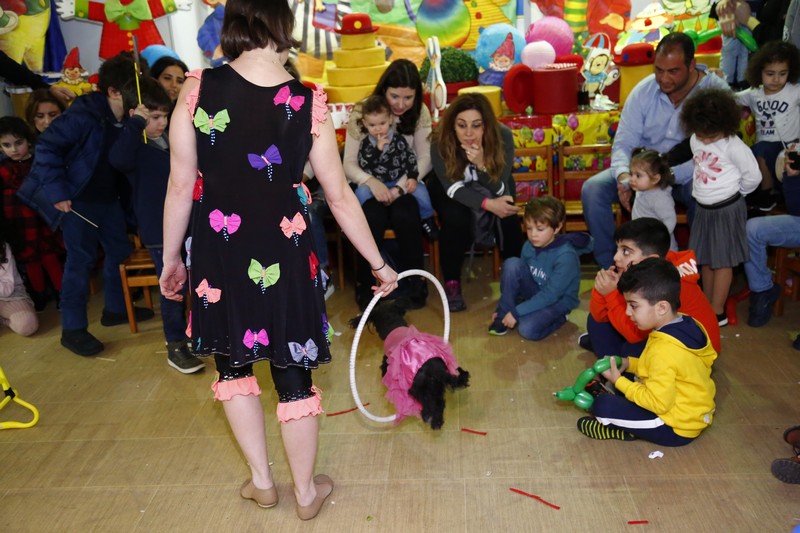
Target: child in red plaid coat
point(36, 248)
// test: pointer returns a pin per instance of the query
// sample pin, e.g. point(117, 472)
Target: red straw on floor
point(345, 411)
point(467, 430)
point(535, 497)
point(633, 522)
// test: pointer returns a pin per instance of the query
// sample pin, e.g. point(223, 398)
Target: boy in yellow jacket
point(672, 401)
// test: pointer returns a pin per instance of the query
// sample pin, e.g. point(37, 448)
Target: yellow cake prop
point(359, 63)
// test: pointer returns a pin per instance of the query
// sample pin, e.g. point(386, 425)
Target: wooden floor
point(125, 443)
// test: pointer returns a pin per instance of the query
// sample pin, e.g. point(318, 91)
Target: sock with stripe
point(593, 429)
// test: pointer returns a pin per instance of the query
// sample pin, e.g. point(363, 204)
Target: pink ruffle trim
point(191, 98)
point(225, 390)
point(319, 109)
point(311, 406)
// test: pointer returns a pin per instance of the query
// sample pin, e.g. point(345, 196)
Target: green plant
point(457, 66)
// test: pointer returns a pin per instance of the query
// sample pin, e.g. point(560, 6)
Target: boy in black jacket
point(72, 184)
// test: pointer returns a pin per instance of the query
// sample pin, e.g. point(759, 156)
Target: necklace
point(696, 79)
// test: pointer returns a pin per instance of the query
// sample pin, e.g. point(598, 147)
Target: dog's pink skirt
point(407, 349)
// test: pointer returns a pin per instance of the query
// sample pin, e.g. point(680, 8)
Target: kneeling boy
point(610, 330)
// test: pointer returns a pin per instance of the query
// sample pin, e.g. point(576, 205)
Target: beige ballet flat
point(265, 498)
point(324, 489)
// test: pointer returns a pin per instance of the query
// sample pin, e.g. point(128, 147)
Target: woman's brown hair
point(455, 160)
point(252, 24)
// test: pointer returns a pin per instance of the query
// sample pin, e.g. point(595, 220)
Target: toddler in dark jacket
point(146, 164)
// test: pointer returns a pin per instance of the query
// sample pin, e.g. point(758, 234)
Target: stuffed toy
point(122, 20)
point(23, 25)
point(73, 77)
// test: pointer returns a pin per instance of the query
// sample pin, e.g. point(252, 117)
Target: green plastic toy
point(577, 393)
point(700, 37)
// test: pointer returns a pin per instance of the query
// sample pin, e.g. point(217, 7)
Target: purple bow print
point(304, 352)
point(228, 224)
point(284, 97)
point(271, 157)
point(253, 339)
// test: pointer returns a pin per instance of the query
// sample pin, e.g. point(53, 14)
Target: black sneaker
point(115, 319)
point(722, 319)
point(498, 328)
point(81, 342)
point(179, 358)
point(585, 342)
point(593, 429)
point(761, 305)
point(430, 228)
point(787, 470)
point(763, 200)
point(455, 300)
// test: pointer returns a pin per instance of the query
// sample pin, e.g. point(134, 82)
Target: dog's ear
point(353, 322)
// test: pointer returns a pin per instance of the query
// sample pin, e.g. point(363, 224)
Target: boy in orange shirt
point(609, 330)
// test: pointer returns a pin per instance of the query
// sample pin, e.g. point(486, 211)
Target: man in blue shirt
point(650, 119)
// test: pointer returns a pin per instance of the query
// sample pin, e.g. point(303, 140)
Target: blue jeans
point(517, 285)
point(608, 341)
point(634, 419)
point(777, 230)
point(733, 59)
point(598, 194)
point(173, 313)
point(316, 213)
point(420, 194)
point(81, 240)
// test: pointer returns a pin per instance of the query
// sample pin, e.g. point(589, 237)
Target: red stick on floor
point(634, 522)
point(535, 497)
point(345, 411)
point(467, 430)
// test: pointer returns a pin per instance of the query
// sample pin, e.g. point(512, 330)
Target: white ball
point(538, 53)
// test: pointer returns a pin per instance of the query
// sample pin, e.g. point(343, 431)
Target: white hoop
point(360, 329)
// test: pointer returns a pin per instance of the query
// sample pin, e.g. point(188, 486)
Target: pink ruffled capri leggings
point(297, 395)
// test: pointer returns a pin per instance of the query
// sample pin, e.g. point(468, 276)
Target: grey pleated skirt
point(718, 236)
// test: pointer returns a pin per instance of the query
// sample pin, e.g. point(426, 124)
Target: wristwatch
point(400, 190)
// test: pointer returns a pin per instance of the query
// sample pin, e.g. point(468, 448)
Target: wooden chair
point(433, 253)
point(138, 270)
point(787, 266)
point(535, 181)
point(570, 182)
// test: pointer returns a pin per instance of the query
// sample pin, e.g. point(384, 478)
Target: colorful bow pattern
point(188, 246)
point(197, 192)
point(263, 277)
point(209, 294)
point(228, 224)
point(293, 228)
point(313, 264)
point(285, 98)
point(271, 157)
point(252, 339)
point(209, 123)
point(304, 194)
point(304, 352)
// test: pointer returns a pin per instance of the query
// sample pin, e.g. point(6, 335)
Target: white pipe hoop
point(360, 329)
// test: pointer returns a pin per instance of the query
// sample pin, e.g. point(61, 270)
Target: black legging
point(292, 383)
point(456, 235)
point(402, 216)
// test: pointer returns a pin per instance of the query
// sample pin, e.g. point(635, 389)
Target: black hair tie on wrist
point(376, 269)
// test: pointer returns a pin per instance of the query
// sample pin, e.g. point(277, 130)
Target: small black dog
point(437, 368)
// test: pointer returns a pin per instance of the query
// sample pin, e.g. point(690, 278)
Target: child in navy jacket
point(72, 184)
point(540, 288)
point(146, 164)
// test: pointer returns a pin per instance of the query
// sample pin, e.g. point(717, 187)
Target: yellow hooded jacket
point(675, 380)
